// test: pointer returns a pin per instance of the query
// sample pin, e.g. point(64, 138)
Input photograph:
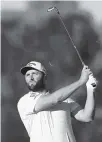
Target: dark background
point(35, 34)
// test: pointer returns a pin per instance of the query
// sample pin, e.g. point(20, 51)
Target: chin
point(35, 87)
point(31, 87)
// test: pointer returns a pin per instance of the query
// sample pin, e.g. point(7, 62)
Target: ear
point(44, 77)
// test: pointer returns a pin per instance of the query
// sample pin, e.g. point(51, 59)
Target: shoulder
point(22, 100)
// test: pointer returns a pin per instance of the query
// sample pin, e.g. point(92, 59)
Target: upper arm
point(45, 102)
point(74, 107)
point(81, 117)
point(78, 112)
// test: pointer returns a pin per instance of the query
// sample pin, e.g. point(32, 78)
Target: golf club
point(54, 8)
point(58, 13)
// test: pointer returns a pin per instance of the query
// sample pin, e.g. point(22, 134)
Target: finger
point(85, 67)
point(91, 75)
point(95, 79)
point(92, 79)
point(90, 72)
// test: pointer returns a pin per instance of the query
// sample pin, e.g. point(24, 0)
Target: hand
point(85, 74)
point(91, 81)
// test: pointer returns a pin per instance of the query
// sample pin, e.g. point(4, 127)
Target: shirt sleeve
point(26, 106)
point(74, 106)
point(31, 108)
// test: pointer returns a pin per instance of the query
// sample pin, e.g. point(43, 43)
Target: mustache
point(33, 80)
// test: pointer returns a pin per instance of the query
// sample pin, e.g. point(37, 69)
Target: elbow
point(81, 116)
point(88, 120)
point(85, 120)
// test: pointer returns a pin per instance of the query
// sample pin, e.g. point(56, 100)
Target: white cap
point(33, 65)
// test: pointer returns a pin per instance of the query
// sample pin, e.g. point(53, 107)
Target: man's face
point(33, 79)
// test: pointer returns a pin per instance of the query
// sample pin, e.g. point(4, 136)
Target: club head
point(50, 9)
point(53, 8)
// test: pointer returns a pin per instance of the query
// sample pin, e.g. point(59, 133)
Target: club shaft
point(71, 40)
point(83, 64)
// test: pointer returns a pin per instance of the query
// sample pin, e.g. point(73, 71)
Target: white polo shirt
point(53, 125)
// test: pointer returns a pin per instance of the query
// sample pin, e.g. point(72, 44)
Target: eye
point(27, 74)
point(36, 73)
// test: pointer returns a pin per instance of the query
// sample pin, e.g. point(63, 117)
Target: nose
point(32, 78)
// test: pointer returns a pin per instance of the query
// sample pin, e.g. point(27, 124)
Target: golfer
point(47, 116)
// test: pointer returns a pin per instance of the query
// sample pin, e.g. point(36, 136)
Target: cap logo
point(30, 64)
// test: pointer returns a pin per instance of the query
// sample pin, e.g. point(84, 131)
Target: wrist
point(80, 82)
point(90, 90)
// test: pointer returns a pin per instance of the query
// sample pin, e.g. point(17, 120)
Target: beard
point(36, 86)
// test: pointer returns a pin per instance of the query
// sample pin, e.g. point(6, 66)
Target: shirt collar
point(32, 94)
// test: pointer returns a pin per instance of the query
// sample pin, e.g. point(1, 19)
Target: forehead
point(32, 71)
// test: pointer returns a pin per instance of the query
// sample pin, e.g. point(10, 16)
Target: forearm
point(63, 93)
point(89, 105)
point(48, 101)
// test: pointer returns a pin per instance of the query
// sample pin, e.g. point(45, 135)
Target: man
point(47, 117)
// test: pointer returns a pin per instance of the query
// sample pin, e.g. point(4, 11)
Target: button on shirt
point(52, 125)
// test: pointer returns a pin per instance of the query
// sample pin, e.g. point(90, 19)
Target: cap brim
point(25, 69)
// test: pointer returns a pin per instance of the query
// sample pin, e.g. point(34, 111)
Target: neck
point(39, 90)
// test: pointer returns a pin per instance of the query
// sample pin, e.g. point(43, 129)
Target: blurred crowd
point(36, 34)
